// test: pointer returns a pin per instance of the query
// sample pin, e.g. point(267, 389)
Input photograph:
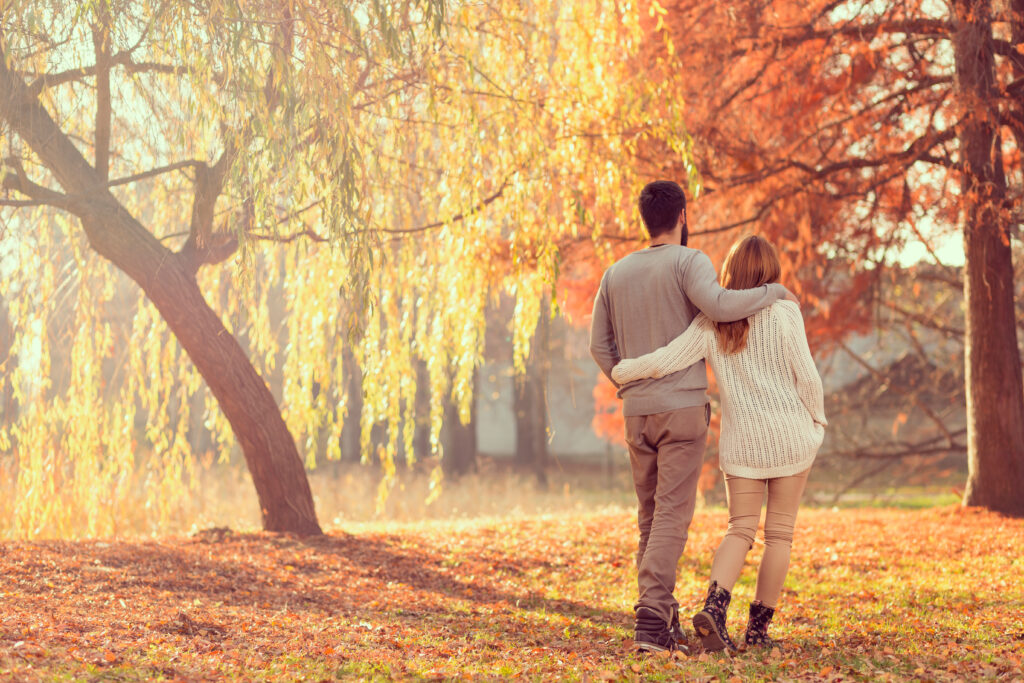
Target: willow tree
point(374, 170)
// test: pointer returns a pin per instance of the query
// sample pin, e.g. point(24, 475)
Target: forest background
point(291, 235)
point(341, 255)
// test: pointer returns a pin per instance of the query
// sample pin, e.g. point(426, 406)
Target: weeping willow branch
point(311, 234)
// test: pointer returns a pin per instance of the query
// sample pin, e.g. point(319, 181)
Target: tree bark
point(531, 405)
point(421, 412)
point(995, 389)
point(460, 443)
point(168, 279)
point(7, 407)
point(351, 446)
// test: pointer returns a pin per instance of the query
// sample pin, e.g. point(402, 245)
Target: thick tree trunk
point(460, 443)
point(995, 389)
point(531, 405)
point(168, 279)
point(282, 487)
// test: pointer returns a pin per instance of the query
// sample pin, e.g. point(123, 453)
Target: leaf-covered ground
point(872, 595)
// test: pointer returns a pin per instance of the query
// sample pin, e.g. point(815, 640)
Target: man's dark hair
point(661, 204)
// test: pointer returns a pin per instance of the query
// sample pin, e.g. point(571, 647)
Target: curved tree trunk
point(995, 390)
point(168, 279)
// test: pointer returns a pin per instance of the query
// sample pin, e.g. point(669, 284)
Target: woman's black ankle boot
point(757, 626)
point(709, 623)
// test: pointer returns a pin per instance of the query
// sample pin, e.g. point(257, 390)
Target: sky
point(949, 249)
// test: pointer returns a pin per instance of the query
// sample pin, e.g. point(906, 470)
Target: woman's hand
point(631, 369)
point(621, 371)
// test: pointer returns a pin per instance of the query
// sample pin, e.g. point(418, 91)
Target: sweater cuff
point(778, 289)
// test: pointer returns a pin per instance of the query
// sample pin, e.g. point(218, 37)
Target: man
point(646, 300)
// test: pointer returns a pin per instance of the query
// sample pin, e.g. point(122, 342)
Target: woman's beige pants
point(745, 498)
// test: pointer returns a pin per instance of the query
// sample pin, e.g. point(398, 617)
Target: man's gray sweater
point(646, 300)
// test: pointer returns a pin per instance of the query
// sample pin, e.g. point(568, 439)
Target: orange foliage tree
point(843, 131)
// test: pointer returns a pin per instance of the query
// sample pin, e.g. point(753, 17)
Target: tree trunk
point(421, 412)
point(531, 405)
point(351, 446)
point(7, 408)
point(460, 444)
point(168, 279)
point(995, 389)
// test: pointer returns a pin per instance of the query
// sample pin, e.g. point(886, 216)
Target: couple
point(658, 313)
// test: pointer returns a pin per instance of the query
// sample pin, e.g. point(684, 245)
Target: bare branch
point(933, 446)
point(201, 248)
point(101, 49)
point(191, 163)
point(923, 320)
point(20, 203)
point(931, 251)
point(308, 233)
point(314, 236)
point(18, 181)
point(454, 219)
point(790, 36)
point(857, 481)
point(1007, 49)
point(879, 375)
point(915, 151)
point(738, 224)
point(122, 59)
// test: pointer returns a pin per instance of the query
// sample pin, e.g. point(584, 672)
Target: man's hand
point(790, 296)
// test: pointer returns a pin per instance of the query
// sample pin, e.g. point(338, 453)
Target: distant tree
point(384, 167)
point(530, 404)
point(460, 437)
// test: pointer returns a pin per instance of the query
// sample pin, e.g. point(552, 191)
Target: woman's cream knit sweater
point(773, 412)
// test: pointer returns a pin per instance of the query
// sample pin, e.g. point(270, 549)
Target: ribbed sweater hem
point(652, 405)
point(767, 472)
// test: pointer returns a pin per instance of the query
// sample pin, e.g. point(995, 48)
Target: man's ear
point(684, 231)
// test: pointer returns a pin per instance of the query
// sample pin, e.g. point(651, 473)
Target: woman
point(773, 422)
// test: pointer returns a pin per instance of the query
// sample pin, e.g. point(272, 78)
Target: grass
point(873, 594)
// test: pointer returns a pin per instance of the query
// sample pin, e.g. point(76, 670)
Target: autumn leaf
point(543, 586)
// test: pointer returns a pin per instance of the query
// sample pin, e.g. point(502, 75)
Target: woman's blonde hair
point(751, 262)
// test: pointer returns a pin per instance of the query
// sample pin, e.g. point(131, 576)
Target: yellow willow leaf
point(510, 135)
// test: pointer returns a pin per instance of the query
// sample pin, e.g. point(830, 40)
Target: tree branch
point(101, 49)
point(314, 236)
point(122, 59)
point(28, 118)
point(787, 37)
point(191, 163)
point(18, 181)
point(201, 248)
point(895, 387)
point(923, 320)
point(903, 450)
point(738, 224)
point(915, 151)
point(308, 233)
point(454, 219)
point(1007, 49)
